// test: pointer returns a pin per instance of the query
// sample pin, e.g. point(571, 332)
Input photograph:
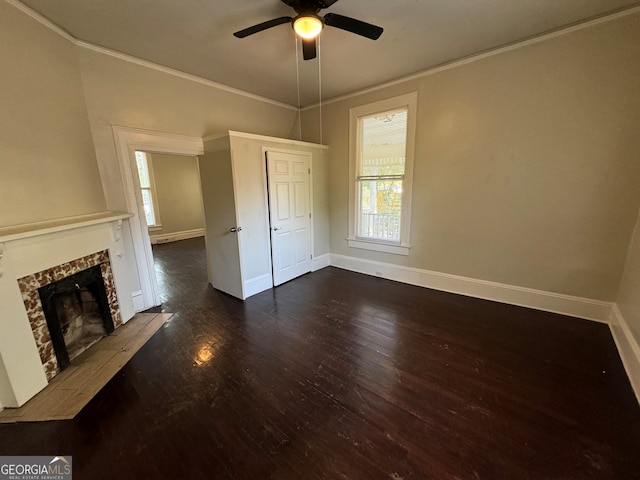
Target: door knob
point(235, 229)
point(275, 228)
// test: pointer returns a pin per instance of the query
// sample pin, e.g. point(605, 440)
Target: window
point(147, 186)
point(381, 161)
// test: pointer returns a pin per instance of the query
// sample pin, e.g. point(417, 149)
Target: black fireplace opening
point(77, 312)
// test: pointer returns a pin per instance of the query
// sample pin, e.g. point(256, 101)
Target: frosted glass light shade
point(307, 27)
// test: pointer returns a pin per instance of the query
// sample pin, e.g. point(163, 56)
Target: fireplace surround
point(31, 287)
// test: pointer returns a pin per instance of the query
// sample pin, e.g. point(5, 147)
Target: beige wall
point(48, 164)
point(526, 165)
point(126, 94)
point(178, 193)
point(629, 295)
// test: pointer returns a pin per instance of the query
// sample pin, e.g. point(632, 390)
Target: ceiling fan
point(308, 24)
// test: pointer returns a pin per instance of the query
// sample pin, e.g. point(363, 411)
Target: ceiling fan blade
point(308, 4)
point(262, 26)
point(309, 48)
point(352, 25)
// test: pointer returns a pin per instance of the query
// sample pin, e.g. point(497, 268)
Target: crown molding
point(138, 61)
point(178, 73)
point(485, 54)
point(42, 20)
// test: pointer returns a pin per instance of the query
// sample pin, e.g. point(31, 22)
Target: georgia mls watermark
point(36, 468)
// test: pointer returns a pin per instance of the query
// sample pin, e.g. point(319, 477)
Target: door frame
point(127, 141)
point(265, 150)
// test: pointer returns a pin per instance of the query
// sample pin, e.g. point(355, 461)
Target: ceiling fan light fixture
point(308, 26)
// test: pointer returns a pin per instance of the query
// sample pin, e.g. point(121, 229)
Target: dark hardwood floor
point(337, 375)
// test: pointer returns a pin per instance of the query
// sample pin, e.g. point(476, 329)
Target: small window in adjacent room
point(381, 160)
point(147, 187)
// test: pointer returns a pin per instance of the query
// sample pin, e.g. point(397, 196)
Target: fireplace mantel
point(26, 230)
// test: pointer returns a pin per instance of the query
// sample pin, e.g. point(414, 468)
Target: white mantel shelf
point(17, 232)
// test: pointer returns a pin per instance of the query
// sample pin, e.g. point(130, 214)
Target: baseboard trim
point(175, 236)
point(320, 262)
point(257, 284)
point(628, 348)
point(586, 308)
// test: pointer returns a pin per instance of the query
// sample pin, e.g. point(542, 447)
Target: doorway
point(172, 201)
point(128, 141)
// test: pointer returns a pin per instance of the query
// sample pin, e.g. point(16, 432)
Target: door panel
point(282, 202)
point(284, 245)
point(289, 210)
point(300, 200)
point(301, 251)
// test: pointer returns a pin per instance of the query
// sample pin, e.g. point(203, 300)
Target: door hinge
point(309, 214)
point(309, 170)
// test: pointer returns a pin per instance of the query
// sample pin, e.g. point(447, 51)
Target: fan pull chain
point(320, 87)
point(295, 39)
point(320, 99)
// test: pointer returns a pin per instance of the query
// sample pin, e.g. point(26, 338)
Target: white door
point(289, 214)
point(222, 230)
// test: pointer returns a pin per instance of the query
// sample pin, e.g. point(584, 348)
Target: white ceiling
point(195, 36)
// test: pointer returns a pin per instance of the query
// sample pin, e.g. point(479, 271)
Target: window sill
point(378, 247)
point(155, 228)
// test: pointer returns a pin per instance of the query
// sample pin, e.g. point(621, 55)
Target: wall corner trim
point(628, 348)
point(585, 308)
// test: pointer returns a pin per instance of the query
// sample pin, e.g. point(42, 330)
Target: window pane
point(384, 139)
point(143, 170)
point(148, 207)
point(380, 206)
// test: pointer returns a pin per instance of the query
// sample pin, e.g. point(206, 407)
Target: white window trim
point(410, 101)
point(154, 198)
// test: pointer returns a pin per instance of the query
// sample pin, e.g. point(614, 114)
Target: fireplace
point(37, 254)
point(76, 309)
point(76, 299)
